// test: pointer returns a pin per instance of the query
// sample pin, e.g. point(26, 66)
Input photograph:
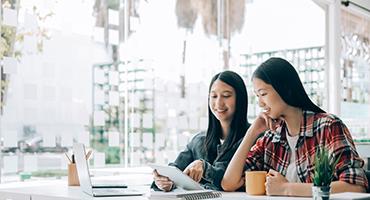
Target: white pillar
point(1, 154)
point(332, 55)
point(333, 49)
point(124, 10)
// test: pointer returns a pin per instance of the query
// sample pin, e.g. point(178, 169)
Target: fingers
point(269, 183)
point(186, 171)
point(266, 118)
point(274, 123)
point(271, 124)
point(165, 186)
point(195, 170)
point(270, 175)
point(267, 189)
point(155, 173)
point(196, 175)
point(193, 174)
point(268, 121)
point(273, 172)
point(162, 182)
point(162, 178)
point(158, 177)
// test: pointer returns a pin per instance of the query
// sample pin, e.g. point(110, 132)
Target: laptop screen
point(82, 168)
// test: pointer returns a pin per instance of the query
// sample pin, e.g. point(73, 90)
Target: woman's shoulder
point(200, 134)
point(323, 118)
point(198, 137)
point(196, 143)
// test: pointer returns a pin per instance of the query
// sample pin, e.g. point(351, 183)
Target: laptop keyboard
point(115, 192)
point(109, 190)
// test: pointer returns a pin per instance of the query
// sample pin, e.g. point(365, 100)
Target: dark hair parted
point(239, 123)
point(285, 80)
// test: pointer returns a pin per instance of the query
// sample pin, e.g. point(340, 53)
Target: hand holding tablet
point(177, 176)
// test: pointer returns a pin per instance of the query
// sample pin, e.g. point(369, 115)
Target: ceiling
point(363, 3)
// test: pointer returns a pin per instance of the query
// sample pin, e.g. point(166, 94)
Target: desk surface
point(58, 190)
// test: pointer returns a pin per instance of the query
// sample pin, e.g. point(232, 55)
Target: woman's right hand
point(162, 182)
point(263, 122)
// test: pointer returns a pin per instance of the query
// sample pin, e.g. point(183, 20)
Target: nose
point(260, 102)
point(219, 102)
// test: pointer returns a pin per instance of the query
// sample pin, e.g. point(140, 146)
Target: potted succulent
point(323, 174)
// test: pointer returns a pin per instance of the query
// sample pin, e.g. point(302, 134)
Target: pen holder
point(72, 175)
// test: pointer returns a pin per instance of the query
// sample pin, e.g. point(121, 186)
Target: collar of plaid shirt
point(306, 129)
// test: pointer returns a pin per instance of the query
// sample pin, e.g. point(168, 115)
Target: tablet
point(180, 179)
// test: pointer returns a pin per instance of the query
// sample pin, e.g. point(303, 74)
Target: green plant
point(324, 168)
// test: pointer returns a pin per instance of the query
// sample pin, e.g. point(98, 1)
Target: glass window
point(131, 81)
point(355, 74)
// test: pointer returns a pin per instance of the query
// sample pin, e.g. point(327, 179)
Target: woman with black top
point(207, 155)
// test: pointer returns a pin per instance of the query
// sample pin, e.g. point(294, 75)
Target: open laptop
point(85, 180)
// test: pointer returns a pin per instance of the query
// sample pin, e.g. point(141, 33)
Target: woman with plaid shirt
point(294, 128)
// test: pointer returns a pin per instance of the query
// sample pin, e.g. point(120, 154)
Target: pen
point(70, 161)
point(88, 154)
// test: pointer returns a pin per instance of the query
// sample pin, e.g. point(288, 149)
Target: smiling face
point(268, 99)
point(222, 101)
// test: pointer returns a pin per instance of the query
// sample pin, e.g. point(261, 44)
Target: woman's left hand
point(275, 183)
point(195, 170)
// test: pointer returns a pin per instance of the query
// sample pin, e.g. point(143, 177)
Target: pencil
point(70, 161)
point(88, 154)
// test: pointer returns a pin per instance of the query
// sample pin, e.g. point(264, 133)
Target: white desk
point(58, 190)
point(55, 189)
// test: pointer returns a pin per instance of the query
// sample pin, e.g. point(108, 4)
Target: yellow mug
point(255, 182)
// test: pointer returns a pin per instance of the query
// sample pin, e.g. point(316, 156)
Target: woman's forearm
point(298, 189)
point(305, 189)
point(232, 179)
point(341, 186)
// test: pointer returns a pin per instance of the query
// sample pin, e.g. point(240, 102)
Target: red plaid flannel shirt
point(272, 151)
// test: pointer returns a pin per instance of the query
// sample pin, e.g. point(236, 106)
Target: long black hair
point(239, 123)
point(285, 80)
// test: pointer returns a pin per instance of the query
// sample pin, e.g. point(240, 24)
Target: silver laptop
point(85, 180)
